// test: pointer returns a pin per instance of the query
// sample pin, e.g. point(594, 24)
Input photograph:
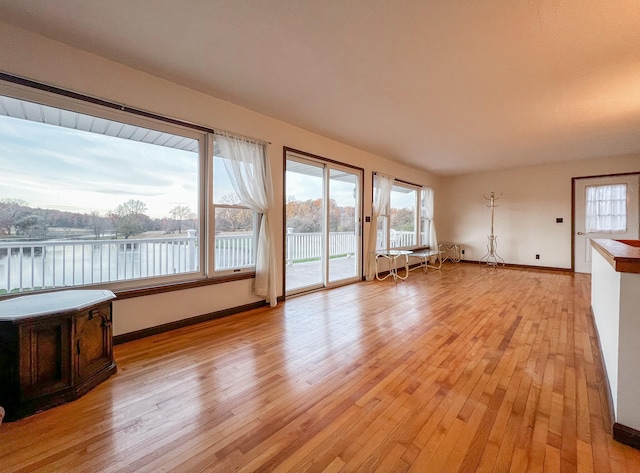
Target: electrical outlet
point(537, 256)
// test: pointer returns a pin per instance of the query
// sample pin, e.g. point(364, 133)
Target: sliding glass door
point(323, 223)
point(304, 245)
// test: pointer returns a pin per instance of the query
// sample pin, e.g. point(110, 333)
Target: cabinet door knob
point(580, 233)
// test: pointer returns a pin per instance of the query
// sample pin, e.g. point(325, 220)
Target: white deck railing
point(308, 246)
point(234, 251)
point(27, 266)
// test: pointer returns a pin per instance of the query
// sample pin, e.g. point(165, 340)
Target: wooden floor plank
point(466, 369)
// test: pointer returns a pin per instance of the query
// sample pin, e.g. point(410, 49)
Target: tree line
point(306, 216)
point(18, 219)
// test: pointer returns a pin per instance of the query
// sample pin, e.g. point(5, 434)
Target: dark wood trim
point(623, 434)
point(318, 157)
point(147, 332)
point(179, 286)
point(363, 263)
point(605, 381)
point(626, 435)
point(101, 102)
point(573, 224)
point(147, 290)
point(284, 221)
point(573, 207)
point(303, 154)
point(406, 182)
point(630, 173)
point(523, 266)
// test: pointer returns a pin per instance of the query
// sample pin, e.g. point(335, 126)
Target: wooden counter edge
point(622, 257)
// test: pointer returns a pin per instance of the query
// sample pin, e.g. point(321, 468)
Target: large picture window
point(95, 199)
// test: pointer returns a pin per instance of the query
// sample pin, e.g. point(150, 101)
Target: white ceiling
point(448, 86)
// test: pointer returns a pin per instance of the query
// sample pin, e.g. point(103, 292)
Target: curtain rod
point(98, 101)
point(118, 106)
point(403, 181)
point(238, 136)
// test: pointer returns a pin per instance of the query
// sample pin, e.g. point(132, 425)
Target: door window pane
point(343, 225)
point(606, 209)
point(304, 243)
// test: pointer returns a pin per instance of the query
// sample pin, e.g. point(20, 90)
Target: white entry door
point(583, 235)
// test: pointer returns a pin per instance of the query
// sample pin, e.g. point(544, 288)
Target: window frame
point(212, 207)
point(419, 219)
point(608, 203)
point(22, 89)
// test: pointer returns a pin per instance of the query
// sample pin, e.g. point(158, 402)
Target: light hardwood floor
point(463, 369)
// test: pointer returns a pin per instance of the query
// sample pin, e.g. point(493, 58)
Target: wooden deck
point(466, 369)
point(306, 274)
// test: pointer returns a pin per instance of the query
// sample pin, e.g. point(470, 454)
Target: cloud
point(50, 166)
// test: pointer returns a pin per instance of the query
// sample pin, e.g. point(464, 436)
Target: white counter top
point(34, 305)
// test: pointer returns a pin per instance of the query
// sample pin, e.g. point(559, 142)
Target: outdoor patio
point(299, 275)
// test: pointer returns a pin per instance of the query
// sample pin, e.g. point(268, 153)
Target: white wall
point(525, 220)
point(34, 57)
point(615, 298)
point(629, 351)
point(605, 303)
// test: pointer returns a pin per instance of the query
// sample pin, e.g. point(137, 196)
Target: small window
point(235, 224)
point(606, 209)
point(403, 217)
point(403, 223)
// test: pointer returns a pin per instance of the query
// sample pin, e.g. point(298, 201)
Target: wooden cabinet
point(53, 348)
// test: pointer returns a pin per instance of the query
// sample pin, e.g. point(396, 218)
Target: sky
point(307, 187)
point(304, 187)
point(60, 168)
point(65, 169)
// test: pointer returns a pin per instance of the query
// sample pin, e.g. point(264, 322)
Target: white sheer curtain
point(432, 239)
point(246, 164)
point(381, 195)
point(606, 209)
